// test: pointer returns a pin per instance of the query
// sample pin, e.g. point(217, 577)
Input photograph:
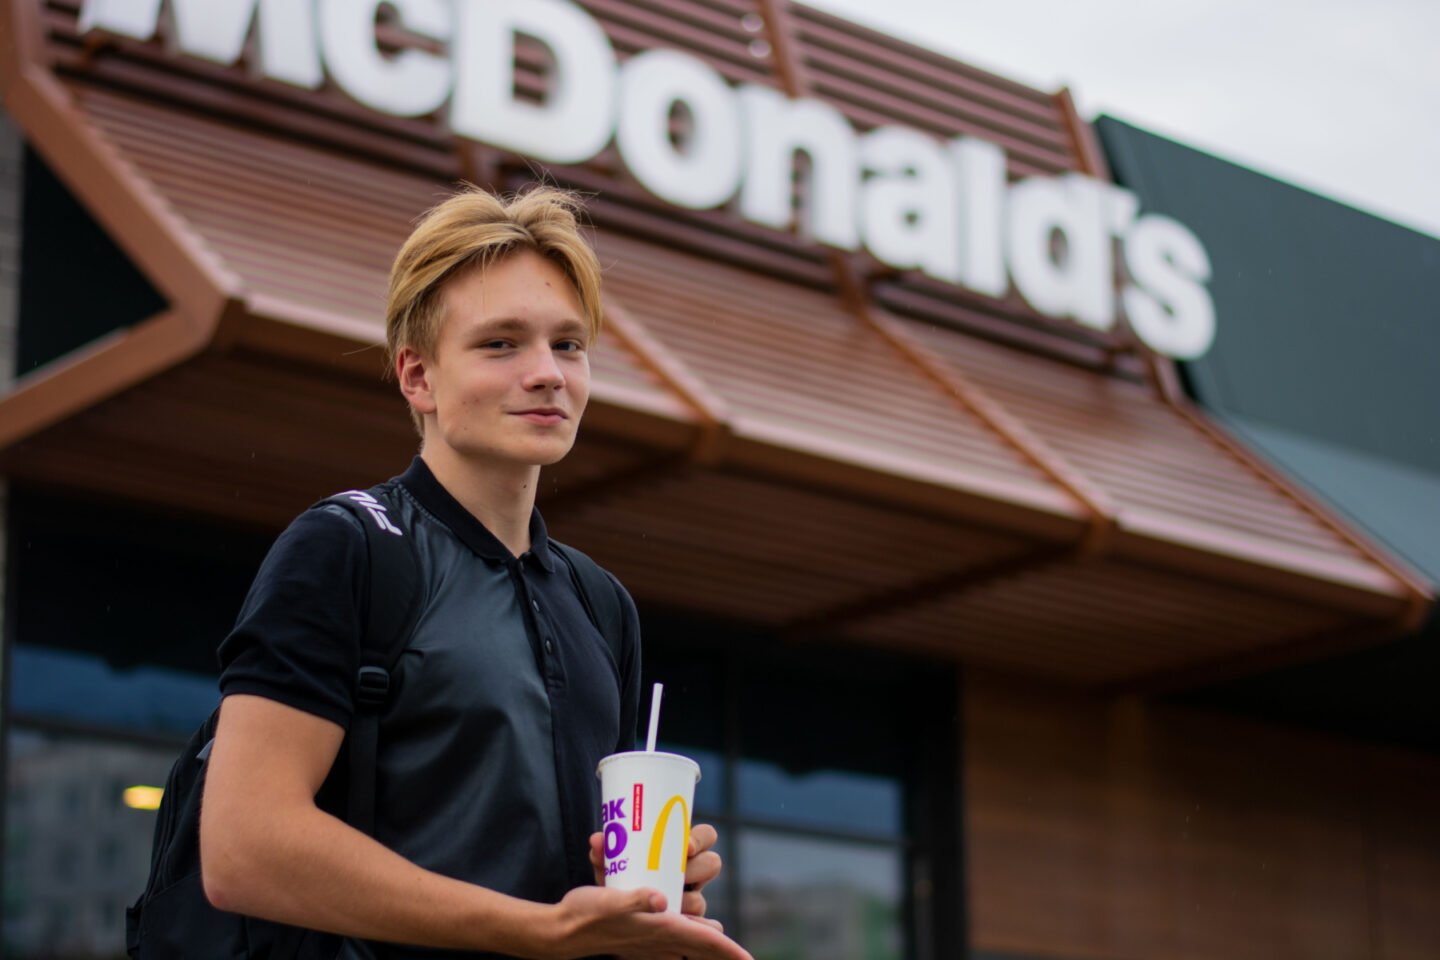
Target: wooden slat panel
point(742, 547)
point(924, 64)
point(1115, 829)
point(878, 79)
point(1141, 453)
point(795, 358)
point(1096, 623)
point(1406, 857)
point(253, 440)
point(1009, 321)
point(293, 222)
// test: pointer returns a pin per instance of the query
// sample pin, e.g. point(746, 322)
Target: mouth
point(545, 416)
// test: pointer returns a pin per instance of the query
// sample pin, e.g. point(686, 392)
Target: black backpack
point(172, 919)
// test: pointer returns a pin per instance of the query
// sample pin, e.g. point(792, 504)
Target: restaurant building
point(887, 437)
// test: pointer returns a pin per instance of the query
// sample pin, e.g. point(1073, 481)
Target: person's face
point(510, 374)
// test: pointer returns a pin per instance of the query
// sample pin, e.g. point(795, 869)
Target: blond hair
point(472, 230)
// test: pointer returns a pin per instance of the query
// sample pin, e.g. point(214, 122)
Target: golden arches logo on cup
point(617, 838)
point(657, 838)
point(641, 849)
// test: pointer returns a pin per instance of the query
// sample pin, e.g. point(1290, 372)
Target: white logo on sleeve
point(375, 508)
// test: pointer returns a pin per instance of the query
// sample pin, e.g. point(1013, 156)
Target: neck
point(502, 497)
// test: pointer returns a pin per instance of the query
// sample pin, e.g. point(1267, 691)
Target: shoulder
point(627, 602)
point(326, 531)
point(612, 603)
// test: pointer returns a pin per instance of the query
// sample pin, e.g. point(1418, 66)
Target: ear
point(412, 371)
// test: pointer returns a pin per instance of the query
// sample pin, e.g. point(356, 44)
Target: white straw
point(654, 717)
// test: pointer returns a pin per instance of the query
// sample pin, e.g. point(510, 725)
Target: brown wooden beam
point(1420, 598)
point(96, 372)
point(190, 276)
point(780, 31)
point(710, 409)
point(884, 602)
point(20, 41)
point(1354, 635)
point(854, 290)
point(1097, 504)
point(1082, 138)
point(646, 472)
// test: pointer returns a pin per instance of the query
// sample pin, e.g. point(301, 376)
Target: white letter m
point(216, 30)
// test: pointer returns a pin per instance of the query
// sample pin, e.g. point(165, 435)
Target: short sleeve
point(629, 670)
point(297, 639)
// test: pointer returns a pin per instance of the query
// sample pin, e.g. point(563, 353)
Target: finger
point(644, 900)
point(702, 838)
point(702, 869)
point(705, 940)
point(692, 904)
point(597, 857)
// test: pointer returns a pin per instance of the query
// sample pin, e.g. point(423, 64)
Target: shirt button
point(549, 647)
point(536, 605)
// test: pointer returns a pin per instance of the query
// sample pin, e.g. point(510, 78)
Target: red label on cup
point(635, 806)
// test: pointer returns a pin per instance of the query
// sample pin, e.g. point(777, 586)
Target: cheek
point(579, 385)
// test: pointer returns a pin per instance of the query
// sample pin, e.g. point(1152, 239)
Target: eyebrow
point(567, 327)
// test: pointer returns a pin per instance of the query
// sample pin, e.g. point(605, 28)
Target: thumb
point(644, 900)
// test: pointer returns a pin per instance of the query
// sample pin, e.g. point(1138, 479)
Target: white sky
point(1341, 97)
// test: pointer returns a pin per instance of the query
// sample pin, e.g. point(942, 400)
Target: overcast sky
point(1338, 96)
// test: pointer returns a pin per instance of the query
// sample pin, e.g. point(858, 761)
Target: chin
point(552, 457)
point(539, 454)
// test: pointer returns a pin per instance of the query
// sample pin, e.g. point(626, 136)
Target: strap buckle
point(372, 686)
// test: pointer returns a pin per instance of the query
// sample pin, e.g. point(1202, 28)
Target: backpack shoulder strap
point(393, 597)
point(394, 581)
point(598, 594)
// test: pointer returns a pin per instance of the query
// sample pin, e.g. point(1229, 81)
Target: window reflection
point(66, 685)
point(815, 899)
point(75, 855)
point(710, 791)
point(833, 799)
point(717, 894)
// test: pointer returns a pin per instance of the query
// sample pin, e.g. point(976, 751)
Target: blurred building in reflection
point(75, 854)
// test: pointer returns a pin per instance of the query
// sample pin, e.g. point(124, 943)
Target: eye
point(494, 344)
point(570, 346)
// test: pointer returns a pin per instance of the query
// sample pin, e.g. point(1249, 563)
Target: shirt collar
point(436, 499)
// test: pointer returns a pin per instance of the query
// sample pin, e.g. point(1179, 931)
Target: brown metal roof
point(775, 435)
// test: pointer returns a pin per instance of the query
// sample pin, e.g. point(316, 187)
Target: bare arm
point(266, 850)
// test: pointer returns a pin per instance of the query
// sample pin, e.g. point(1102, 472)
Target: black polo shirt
point(507, 696)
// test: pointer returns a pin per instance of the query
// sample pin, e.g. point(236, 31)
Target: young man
point(486, 796)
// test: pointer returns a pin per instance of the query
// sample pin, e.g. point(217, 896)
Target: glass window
point(812, 797)
point(717, 895)
point(710, 791)
point(839, 799)
point(131, 655)
point(804, 898)
point(57, 903)
point(82, 688)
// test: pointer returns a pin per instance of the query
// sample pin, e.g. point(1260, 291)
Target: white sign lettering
point(704, 170)
point(776, 128)
point(912, 201)
point(577, 117)
point(410, 84)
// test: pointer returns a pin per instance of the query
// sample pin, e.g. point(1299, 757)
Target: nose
point(543, 372)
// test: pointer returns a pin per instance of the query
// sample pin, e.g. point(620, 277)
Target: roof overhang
point(776, 435)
